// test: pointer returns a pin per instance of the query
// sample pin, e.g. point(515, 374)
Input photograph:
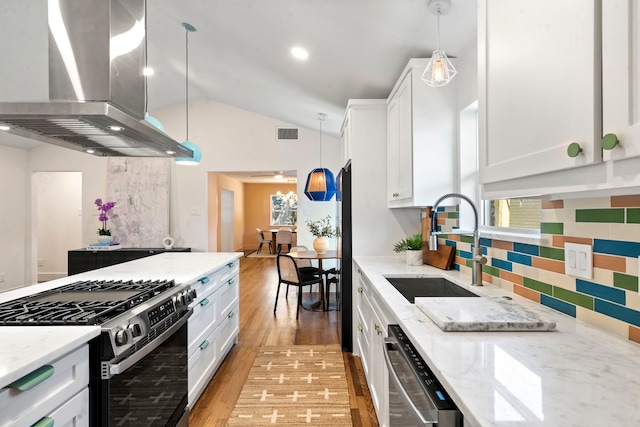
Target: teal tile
point(625, 281)
point(573, 297)
point(552, 228)
point(633, 215)
point(614, 215)
point(491, 270)
point(541, 287)
point(553, 253)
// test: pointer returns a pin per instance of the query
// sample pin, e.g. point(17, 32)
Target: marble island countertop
point(577, 375)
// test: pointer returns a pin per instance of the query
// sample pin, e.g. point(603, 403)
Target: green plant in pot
point(322, 229)
point(412, 245)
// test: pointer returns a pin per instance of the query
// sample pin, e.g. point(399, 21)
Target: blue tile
point(519, 258)
point(450, 243)
point(526, 249)
point(617, 311)
point(456, 267)
point(486, 242)
point(556, 304)
point(465, 254)
point(601, 291)
point(455, 227)
point(501, 264)
point(616, 247)
point(441, 209)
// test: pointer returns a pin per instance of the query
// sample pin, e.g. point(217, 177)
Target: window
point(513, 213)
point(284, 208)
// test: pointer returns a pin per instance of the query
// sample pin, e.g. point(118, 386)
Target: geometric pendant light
point(321, 185)
point(197, 154)
point(440, 70)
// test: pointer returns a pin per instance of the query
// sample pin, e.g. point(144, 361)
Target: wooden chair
point(304, 266)
point(288, 273)
point(283, 237)
point(262, 240)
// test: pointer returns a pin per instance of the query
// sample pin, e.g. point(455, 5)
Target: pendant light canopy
point(197, 154)
point(440, 70)
point(321, 185)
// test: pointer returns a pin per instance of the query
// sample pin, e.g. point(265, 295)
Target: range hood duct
point(95, 55)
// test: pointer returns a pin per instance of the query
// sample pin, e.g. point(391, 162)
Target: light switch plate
point(578, 260)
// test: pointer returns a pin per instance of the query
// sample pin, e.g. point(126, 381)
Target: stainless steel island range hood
point(94, 57)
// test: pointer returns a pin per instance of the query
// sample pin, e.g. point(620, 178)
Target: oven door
point(149, 388)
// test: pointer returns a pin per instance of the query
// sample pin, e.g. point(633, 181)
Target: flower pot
point(105, 239)
point(414, 257)
point(321, 244)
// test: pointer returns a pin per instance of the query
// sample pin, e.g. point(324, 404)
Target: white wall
point(13, 216)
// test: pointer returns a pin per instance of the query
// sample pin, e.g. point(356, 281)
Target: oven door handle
point(118, 368)
point(389, 342)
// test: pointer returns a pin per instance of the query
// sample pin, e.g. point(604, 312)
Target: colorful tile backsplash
point(611, 225)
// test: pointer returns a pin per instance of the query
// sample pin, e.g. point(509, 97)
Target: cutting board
point(441, 258)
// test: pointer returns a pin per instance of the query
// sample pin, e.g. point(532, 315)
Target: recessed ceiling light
point(169, 152)
point(278, 176)
point(299, 53)
point(90, 151)
point(116, 128)
point(148, 71)
point(4, 127)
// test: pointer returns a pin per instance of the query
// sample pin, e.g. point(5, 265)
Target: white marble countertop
point(577, 375)
point(26, 348)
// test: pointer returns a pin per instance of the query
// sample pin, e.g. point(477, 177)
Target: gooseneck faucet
point(477, 258)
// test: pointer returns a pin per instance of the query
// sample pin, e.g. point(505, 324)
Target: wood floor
point(259, 327)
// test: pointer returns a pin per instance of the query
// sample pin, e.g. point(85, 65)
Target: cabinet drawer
point(57, 382)
point(230, 270)
point(201, 364)
point(72, 413)
point(204, 319)
point(228, 330)
point(227, 295)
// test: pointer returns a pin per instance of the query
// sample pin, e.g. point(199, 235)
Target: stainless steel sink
point(412, 287)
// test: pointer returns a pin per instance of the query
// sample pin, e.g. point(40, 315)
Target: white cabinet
point(370, 330)
point(621, 77)
point(539, 86)
point(213, 328)
point(56, 393)
point(421, 130)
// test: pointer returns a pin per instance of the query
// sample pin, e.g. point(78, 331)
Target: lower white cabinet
point(54, 394)
point(213, 327)
point(371, 329)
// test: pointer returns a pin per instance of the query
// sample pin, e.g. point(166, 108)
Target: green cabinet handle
point(44, 422)
point(395, 195)
point(574, 149)
point(360, 328)
point(204, 345)
point(204, 280)
point(360, 289)
point(204, 302)
point(231, 281)
point(230, 265)
point(34, 378)
point(609, 141)
point(231, 314)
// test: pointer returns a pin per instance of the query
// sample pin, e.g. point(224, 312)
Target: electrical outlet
point(1, 277)
point(578, 260)
point(195, 211)
point(40, 262)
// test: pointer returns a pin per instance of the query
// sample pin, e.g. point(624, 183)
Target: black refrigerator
point(345, 305)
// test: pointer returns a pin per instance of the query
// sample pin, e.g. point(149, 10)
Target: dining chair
point(262, 240)
point(304, 265)
point(283, 237)
point(289, 273)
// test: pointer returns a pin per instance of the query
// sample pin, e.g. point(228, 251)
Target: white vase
point(105, 239)
point(414, 257)
point(320, 244)
point(167, 242)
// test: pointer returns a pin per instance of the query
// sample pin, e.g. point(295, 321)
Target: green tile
point(573, 297)
point(541, 287)
point(466, 239)
point(494, 271)
point(457, 252)
point(633, 215)
point(625, 281)
point(600, 215)
point(552, 228)
point(553, 253)
point(454, 215)
point(469, 263)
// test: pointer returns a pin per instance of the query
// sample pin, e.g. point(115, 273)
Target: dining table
point(321, 304)
point(273, 232)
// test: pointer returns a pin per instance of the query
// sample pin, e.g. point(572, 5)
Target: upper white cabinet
point(420, 139)
point(621, 77)
point(539, 86)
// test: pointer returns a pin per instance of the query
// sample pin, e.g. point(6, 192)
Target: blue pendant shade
point(339, 186)
point(154, 122)
point(197, 154)
point(320, 186)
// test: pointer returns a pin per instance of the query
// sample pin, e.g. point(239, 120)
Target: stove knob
point(135, 329)
point(193, 294)
point(178, 301)
point(122, 337)
point(188, 297)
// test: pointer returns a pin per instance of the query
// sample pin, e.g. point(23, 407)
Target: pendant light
point(440, 70)
point(197, 154)
point(321, 185)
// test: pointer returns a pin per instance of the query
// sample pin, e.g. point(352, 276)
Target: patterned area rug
point(295, 385)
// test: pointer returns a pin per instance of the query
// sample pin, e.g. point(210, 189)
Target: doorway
point(58, 210)
point(226, 221)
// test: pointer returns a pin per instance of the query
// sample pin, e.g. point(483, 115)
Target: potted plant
point(322, 229)
point(412, 245)
point(104, 234)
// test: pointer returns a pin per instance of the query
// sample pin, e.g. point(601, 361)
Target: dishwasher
point(416, 398)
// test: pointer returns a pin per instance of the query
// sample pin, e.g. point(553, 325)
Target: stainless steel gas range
point(139, 362)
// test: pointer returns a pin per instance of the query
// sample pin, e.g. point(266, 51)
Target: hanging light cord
point(187, 79)
point(146, 63)
point(438, 30)
point(321, 118)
